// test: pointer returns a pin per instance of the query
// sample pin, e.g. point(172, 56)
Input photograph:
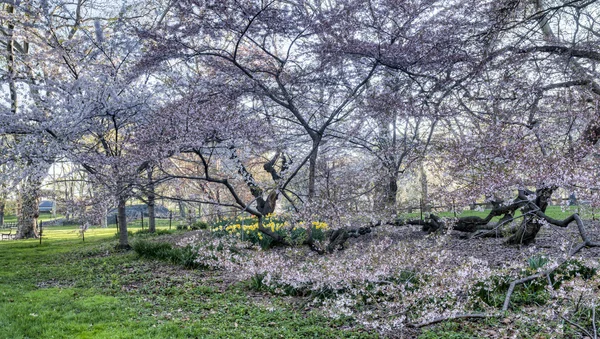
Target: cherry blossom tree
point(271, 47)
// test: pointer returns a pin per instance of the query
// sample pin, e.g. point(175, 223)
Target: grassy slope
point(66, 288)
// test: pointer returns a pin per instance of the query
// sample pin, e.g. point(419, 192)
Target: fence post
point(142, 216)
point(117, 222)
point(41, 230)
point(170, 218)
point(421, 207)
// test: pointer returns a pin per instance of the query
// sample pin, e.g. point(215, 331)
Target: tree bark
point(29, 210)
point(391, 193)
point(151, 204)
point(2, 207)
point(532, 223)
point(122, 215)
point(424, 192)
point(151, 214)
point(181, 209)
point(312, 168)
point(385, 203)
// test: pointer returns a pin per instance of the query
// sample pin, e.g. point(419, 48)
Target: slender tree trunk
point(151, 214)
point(122, 215)
point(424, 191)
point(312, 168)
point(151, 204)
point(104, 220)
point(2, 207)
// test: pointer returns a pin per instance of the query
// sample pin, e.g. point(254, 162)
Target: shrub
point(184, 256)
point(149, 249)
point(199, 225)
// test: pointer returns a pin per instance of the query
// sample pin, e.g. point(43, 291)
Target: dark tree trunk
point(151, 215)
point(2, 207)
point(312, 168)
point(386, 202)
point(181, 209)
point(391, 193)
point(29, 211)
point(122, 216)
point(267, 206)
point(532, 223)
point(151, 204)
point(424, 192)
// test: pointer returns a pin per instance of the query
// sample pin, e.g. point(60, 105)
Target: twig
point(454, 317)
point(594, 320)
point(564, 223)
point(578, 326)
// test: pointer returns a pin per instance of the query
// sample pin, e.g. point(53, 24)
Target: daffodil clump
point(247, 229)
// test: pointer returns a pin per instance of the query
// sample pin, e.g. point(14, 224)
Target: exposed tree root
point(454, 317)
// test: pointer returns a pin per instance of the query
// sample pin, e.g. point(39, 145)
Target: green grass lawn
point(43, 217)
point(67, 288)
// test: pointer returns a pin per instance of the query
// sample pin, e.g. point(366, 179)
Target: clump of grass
point(199, 225)
point(184, 256)
point(537, 261)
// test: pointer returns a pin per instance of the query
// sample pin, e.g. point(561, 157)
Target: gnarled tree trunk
point(532, 223)
point(29, 211)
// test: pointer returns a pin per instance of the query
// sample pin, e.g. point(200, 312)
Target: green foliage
point(536, 262)
point(184, 256)
point(199, 225)
point(447, 331)
point(493, 291)
point(569, 270)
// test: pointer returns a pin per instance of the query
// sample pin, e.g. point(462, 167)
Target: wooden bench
point(10, 235)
